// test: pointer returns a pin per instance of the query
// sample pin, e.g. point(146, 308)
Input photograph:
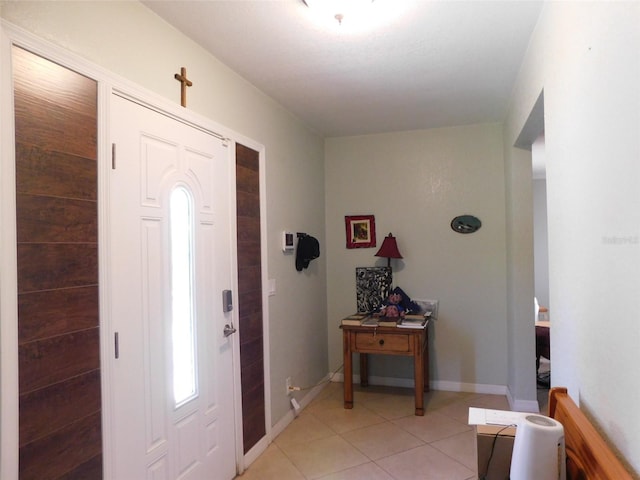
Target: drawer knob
point(381, 342)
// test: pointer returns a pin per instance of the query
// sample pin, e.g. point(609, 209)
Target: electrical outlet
point(288, 385)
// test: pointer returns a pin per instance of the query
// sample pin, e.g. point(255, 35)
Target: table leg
point(348, 371)
point(418, 370)
point(425, 355)
point(364, 370)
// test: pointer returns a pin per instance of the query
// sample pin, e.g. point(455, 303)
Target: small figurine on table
point(392, 307)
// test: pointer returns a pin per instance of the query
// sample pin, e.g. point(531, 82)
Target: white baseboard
point(283, 423)
point(373, 380)
point(519, 405)
point(434, 385)
point(447, 386)
point(482, 388)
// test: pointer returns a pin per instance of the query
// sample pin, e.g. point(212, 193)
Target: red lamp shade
point(389, 249)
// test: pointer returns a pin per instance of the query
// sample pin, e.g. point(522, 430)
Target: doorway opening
point(541, 266)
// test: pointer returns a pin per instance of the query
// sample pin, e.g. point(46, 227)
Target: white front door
point(169, 261)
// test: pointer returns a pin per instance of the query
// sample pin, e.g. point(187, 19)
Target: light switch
point(272, 287)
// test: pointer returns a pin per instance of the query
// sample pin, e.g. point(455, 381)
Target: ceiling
point(419, 64)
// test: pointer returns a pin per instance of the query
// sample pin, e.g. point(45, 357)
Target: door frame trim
point(108, 84)
point(8, 273)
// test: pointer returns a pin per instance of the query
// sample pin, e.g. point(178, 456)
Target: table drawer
point(382, 342)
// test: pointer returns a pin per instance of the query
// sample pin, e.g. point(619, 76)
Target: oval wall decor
point(465, 224)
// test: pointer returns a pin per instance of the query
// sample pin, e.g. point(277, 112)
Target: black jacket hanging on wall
point(308, 249)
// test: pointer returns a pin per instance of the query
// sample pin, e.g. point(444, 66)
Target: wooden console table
point(410, 342)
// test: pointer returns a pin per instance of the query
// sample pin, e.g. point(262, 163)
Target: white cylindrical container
point(538, 450)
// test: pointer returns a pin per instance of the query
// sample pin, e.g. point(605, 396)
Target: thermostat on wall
point(287, 242)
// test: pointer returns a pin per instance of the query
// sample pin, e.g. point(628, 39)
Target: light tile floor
point(379, 439)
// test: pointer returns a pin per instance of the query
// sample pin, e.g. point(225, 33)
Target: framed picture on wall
point(361, 231)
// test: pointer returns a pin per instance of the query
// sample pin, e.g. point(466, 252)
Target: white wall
point(520, 274)
point(415, 183)
point(129, 40)
point(586, 57)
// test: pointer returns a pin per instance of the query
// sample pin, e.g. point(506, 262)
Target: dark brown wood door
point(57, 253)
point(250, 295)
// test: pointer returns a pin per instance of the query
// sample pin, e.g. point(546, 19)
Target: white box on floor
point(495, 436)
point(494, 447)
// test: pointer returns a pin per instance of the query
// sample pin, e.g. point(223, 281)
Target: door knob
point(229, 330)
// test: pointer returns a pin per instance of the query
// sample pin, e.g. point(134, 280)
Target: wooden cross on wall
point(184, 83)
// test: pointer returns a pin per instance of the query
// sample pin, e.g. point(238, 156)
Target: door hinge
point(113, 156)
point(116, 345)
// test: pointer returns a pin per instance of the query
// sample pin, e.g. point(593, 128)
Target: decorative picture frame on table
point(360, 231)
point(373, 285)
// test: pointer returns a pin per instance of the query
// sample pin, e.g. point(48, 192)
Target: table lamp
point(389, 249)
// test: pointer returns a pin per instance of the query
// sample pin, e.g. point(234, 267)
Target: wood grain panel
point(252, 327)
point(247, 205)
point(49, 266)
point(247, 158)
point(254, 373)
point(76, 139)
point(250, 303)
point(249, 254)
point(55, 107)
point(58, 174)
point(253, 428)
point(250, 295)
point(46, 410)
point(248, 229)
point(253, 403)
point(56, 312)
point(250, 352)
point(52, 360)
point(253, 397)
point(53, 85)
point(43, 219)
point(251, 280)
point(53, 456)
point(58, 302)
point(248, 180)
point(89, 470)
